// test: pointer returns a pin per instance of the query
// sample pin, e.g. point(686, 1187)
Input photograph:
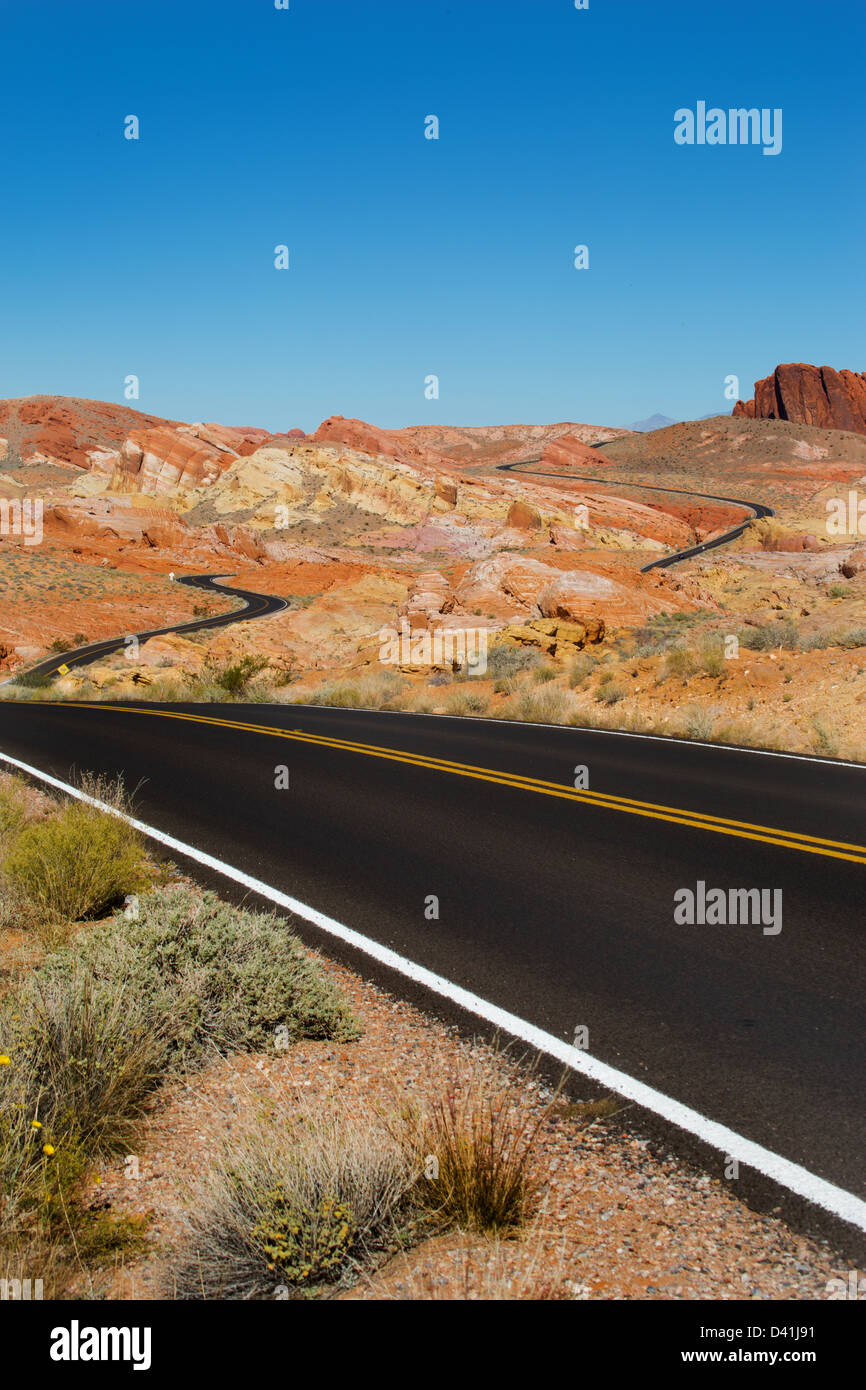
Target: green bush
point(13, 811)
point(32, 680)
point(92, 1032)
point(235, 677)
point(225, 977)
point(542, 674)
point(78, 863)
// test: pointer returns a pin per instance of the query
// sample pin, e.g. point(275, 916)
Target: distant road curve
point(756, 508)
point(257, 606)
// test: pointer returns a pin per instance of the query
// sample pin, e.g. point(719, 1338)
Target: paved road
point(257, 606)
point(555, 906)
point(755, 508)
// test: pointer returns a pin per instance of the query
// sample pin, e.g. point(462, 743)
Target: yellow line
point(697, 820)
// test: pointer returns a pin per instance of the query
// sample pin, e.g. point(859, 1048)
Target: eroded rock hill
point(809, 395)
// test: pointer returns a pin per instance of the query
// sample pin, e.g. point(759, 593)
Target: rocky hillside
point(361, 527)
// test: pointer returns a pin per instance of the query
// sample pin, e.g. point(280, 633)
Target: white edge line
point(792, 1176)
point(581, 729)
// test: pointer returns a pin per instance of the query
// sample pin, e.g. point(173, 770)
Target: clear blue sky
point(409, 256)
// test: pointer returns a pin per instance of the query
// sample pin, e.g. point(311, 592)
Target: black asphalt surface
point(558, 911)
point(755, 508)
point(257, 606)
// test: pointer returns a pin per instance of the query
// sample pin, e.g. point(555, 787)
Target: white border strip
point(583, 729)
point(792, 1176)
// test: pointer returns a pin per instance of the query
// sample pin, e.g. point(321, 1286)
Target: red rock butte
point(809, 395)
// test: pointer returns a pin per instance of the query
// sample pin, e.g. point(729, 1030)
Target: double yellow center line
point(696, 820)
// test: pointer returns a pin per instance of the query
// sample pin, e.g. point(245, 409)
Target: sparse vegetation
point(91, 1032)
point(467, 701)
point(679, 663)
point(476, 1143)
point(297, 1206)
point(79, 862)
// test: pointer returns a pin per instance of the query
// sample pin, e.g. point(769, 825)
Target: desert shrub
point(77, 863)
point(542, 674)
point(766, 637)
point(610, 693)
point(84, 1059)
point(505, 662)
point(336, 694)
point(234, 678)
point(853, 637)
point(226, 978)
point(297, 1209)
point(467, 701)
point(713, 663)
point(824, 740)
point(679, 663)
point(580, 667)
point(711, 656)
point(32, 680)
point(647, 641)
point(549, 705)
point(700, 721)
point(818, 641)
point(838, 591)
point(13, 810)
point(90, 1035)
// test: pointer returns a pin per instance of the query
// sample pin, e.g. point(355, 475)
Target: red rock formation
point(810, 396)
point(369, 439)
point(157, 454)
point(571, 452)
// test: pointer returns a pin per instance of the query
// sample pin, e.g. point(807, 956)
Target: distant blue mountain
point(655, 422)
point(660, 422)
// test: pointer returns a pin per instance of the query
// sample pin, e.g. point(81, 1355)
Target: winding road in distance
point(756, 508)
point(264, 605)
point(257, 606)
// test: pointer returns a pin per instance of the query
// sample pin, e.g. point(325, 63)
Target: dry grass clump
point(309, 1202)
point(465, 700)
point(581, 667)
point(547, 704)
point(380, 691)
point(474, 1144)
